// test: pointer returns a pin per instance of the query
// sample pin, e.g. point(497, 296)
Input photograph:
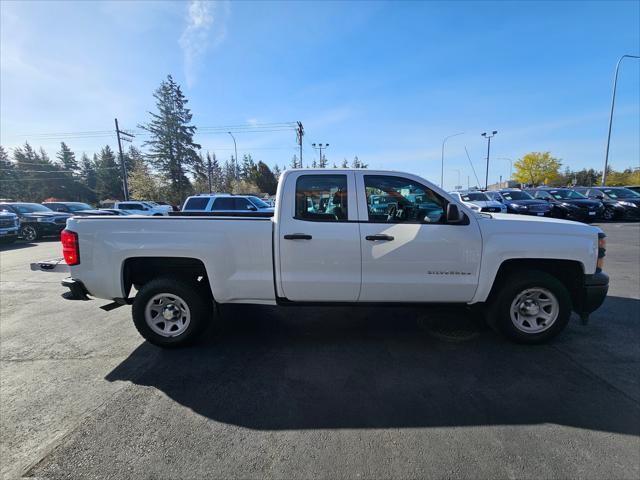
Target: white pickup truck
point(340, 236)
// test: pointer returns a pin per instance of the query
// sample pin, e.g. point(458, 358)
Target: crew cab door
point(318, 237)
point(409, 252)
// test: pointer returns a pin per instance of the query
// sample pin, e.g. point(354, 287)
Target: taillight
point(70, 247)
point(602, 248)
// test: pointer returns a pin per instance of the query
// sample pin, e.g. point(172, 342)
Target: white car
point(326, 244)
point(143, 208)
point(479, 201)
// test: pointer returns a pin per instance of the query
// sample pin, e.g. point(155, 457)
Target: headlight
point(45, 219)
point(516, 206)
point(475, 207)
point(627, 204)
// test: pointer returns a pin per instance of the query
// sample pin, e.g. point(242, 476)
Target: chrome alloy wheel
point(167, 315)
point(534, 310)
point(29, 233)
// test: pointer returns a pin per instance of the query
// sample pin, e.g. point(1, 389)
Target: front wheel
point(609, 214)
point(29, 233)
point(170, 312)
point(530, 307)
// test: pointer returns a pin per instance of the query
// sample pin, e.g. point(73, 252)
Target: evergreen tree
point(109, 180)
point(36, 174)
point(142, 183)
point(228, 176)
point(217, 180)
point(88, 178)
point(9, 188)
point(172, 150)
point(345, 164)
point(265, 179)
point(133, 158)
point(295, 163)
point(200, 175)
point(323, 162)
point(314, 164)
point(276, 171)
point(248, 168)
point(67, 159)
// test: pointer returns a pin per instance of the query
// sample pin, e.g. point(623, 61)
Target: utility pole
point(488, 137)
point(320, 146)
point(209, 172)
point(126, 137)
point(299, 135)
point(613, 102)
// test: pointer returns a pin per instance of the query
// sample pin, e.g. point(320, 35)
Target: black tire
point(30, 233)
point(609, 214)
point(199, 304)
point(157, 215)
point(499, 315)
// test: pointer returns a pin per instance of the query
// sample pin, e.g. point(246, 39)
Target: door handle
point(297, 236)
point(373, 238)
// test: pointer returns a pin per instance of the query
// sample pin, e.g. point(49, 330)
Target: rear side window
point(223, 203)
point(242, 204)
point(322, 198)
point(196, 203)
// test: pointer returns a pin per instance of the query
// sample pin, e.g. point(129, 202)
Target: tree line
point(542, 168)
point(171, 167)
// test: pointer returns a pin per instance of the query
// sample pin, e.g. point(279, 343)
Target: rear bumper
point(77, 290)
point(594, 291)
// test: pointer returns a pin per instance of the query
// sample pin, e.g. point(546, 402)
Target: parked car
point(9, 226)
point(114, 211)
point(521, 202)
point(635, 188)
point(619, 202)
point(143, 208)
point(74, 208)
point(36, 220)
point(479, 201)
point(570, 204)
point(216, 202)
point(527, 273)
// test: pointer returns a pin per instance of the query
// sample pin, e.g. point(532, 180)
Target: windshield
point(75, 207)
point(259, 203)
point(621, 193)
point(474, 196)
point(31, 207)
point(514, 195)
point(565, 194)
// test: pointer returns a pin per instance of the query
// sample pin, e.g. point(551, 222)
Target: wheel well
point(569, 272)
point(140, 270)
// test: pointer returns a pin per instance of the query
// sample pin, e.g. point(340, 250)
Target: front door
point(319, 240)
point(409, 252)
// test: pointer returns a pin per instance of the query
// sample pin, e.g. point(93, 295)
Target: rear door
point(409, 252)
point(318, 237)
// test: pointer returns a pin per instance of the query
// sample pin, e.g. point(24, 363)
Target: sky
point(385, 81)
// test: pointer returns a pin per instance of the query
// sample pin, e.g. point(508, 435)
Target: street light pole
point(488, 137)
point(320, 146)
point(235, 147)
point(444, 140)
point(613, 101)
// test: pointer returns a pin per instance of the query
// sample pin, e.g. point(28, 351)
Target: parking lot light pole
point(613, 101)
point(444, 140)
point(488, 137)
point(235, 147)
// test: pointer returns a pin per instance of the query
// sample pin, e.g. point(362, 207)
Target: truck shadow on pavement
point(332, 368)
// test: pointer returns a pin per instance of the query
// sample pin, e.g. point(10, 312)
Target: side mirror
point(252, 208)
point(454, 215)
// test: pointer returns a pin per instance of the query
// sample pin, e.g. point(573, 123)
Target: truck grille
point(8, 223)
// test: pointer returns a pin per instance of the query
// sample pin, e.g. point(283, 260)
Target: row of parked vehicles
point(32, 221)
point(583, 204)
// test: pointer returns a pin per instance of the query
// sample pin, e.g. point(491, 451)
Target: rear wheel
point(29, 233)
point(530, 307)
point(171, 312)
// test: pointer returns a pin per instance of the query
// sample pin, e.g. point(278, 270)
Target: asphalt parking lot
point(315, 392)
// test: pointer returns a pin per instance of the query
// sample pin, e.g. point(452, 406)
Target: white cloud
point(206, 28)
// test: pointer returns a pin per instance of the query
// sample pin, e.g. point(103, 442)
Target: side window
point(399, 200)
point(322, 198)
point(242, 204)
point(197, 203)
point(541, 194)
point(223, 203)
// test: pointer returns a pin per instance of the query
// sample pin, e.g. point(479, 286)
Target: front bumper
point(50, 228)
point(594, 291)
point(8, 232)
